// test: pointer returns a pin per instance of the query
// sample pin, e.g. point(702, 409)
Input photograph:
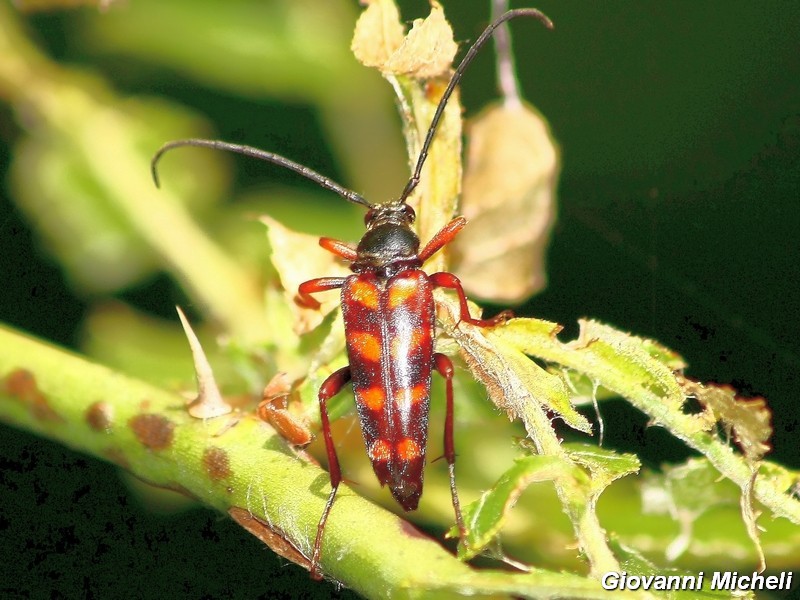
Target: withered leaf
point(297, 257)
point(271, 535)
point(748, 419)
point(285, 417)
point(509, 200)
point(426, 52)
point(378, 34)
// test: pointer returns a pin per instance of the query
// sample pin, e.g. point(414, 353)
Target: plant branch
point(242, 466)
point(78, 115)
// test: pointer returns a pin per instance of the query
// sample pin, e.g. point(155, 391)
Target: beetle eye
point(409, 213)
point(369, 216)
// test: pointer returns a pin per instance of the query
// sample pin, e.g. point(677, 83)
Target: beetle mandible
point(388, 310)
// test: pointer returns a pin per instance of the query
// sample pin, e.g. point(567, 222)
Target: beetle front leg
point(339, 248)
point(443, 237)
point(329, 388)
point(450, 281)
point(445, 368)
point(312, 286)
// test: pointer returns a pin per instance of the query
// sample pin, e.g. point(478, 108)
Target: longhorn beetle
point(388, 311)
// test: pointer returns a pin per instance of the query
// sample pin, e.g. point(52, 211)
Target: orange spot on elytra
point(414, 394)
point(364, 293)
point(366, 345)
point(153, 431)
point(401, 291)
point(408, 449)
point(380, 450)
point(373, 397)
point(406, 344)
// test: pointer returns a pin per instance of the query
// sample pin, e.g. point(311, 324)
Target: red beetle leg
point(340, 249)
point(329, 388)
point(450, 281)
point(442, 238)
point(445, 368)
point(312, 286)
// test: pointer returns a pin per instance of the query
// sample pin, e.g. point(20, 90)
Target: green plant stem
point(244, 464)
point(78, 114)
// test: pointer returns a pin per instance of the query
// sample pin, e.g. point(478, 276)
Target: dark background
point(679, 125)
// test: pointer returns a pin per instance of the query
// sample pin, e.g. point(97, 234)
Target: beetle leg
point(445, 368)
point(442, 238)
point(345, 251)
point(313, 286)
point(329, 388)
point(450, 281)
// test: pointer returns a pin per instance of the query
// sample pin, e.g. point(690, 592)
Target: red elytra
point(388, 310)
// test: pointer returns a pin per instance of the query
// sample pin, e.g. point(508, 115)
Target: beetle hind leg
point(445, 368)
point(329, 388)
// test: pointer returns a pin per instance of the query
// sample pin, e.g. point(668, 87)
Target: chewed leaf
point(546, 388)
point(515, 383)
point(297, 257)
point(621, 362)
point(509, 200)
point(606, 466)
point(378, 34)
point(428, 49)
point(747, 418)
point(485, 517)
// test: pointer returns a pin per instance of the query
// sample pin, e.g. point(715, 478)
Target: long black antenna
point(456, 78)
point(277, 159)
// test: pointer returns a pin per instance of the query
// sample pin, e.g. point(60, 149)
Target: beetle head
point(389, 240)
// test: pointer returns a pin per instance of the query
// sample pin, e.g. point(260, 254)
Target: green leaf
point(632, 367)
point(606, 466)
point(485, 517)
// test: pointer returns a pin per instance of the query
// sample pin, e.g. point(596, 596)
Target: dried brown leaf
point(378, 34)
point(271, 535)
point(748, 419)
point(285, 417)
point(428, 49)
point(426, 52)
point(509, 200)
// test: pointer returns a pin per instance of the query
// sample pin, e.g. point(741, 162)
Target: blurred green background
point(679, 125)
